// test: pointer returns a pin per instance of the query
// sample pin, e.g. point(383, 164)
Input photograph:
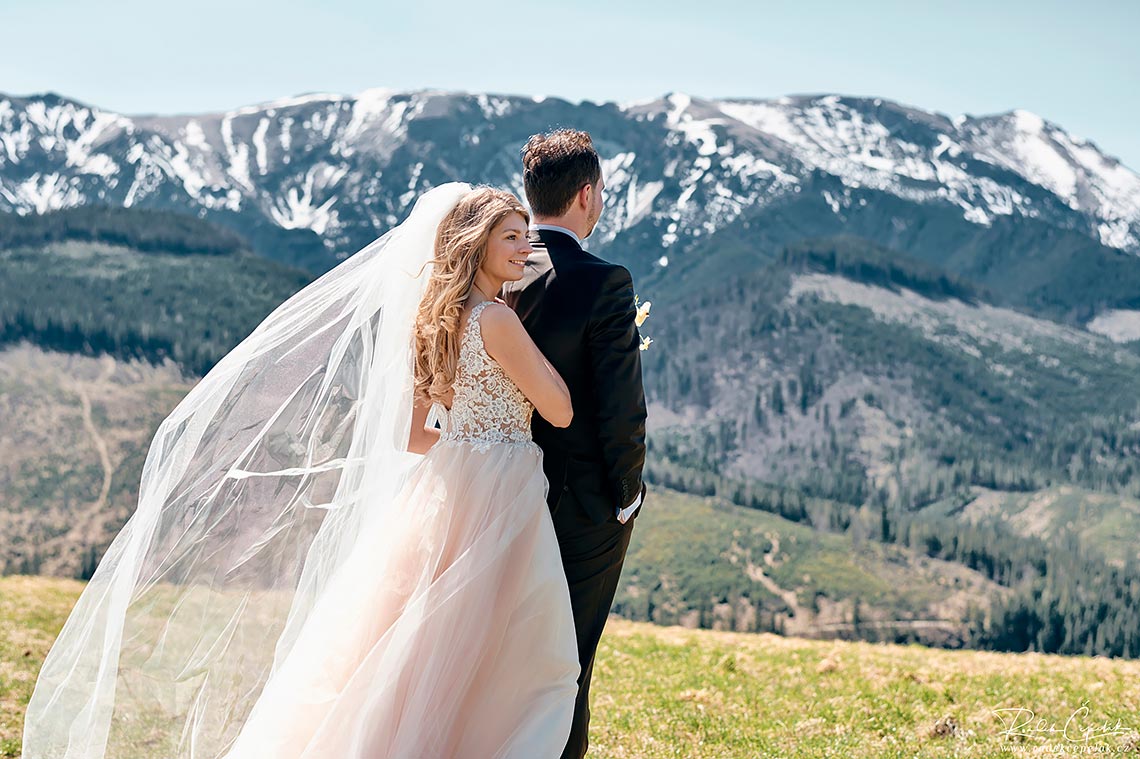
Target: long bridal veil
point(252, 493)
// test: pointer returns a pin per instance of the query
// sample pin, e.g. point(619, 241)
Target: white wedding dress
point(295, 584)
point(448, 632)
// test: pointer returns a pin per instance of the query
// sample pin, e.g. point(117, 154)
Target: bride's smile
point(507, 250)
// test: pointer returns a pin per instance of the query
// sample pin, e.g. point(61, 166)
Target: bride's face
point(507, 249)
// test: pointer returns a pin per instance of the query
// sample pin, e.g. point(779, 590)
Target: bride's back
point(485, 406)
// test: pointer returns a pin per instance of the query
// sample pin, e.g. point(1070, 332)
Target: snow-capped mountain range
point(338, 170)
point(876, 378)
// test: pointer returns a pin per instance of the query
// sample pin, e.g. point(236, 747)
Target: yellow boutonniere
point(642, 311)
point(639, 319)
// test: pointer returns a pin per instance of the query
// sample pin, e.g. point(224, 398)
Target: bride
point(316, 570)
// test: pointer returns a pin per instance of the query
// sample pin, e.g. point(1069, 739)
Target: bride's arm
point(507, 341)
point(421, 439)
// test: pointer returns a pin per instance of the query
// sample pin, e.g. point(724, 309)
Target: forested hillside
point(134, 284)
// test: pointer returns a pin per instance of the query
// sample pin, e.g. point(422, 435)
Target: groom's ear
point(583, 196)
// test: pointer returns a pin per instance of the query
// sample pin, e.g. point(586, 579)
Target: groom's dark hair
point(555, 166)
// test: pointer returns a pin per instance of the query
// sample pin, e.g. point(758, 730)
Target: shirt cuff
point(623, 515)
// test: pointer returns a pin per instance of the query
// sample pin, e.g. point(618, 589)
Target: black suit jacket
point(580, 312)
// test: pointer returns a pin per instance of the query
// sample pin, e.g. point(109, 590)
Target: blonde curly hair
point(460, 248)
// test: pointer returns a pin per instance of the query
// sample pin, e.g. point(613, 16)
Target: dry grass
point(32, 611)
point(674, 692)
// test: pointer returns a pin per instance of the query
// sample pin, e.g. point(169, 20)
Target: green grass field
point(674, 692)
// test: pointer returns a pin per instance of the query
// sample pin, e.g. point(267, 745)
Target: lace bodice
point(487, 407)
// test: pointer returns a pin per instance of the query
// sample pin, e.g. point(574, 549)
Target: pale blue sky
point(1075, 63)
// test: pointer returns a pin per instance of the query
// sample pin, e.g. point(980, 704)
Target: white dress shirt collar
point(563, 230)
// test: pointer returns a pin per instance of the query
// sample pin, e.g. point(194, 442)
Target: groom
point(579, 309)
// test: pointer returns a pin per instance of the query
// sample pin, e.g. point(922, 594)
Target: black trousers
point(592, 555)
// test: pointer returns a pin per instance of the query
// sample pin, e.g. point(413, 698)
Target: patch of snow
point(745, 166)
point(683, 200)
point(48, 192)
point(367, 107)
point(1112, 191)
point(639, 201)
point(100, 165)
point(946, 145)
point(831, 201)
point(80, 150)
point(260, 152)
point(1027, 122)
point(1120, 326)
point(977, 216)
point(1039, 158)
point(194, 137)
point(289, 102)
point(328, 122)
point(493, 107)
point(1117, 234)
point(416, 170)
point(17, 142)
point(44, 118)
point(616, 169)
point(298, 209)
point(238, 155)
point(696, 131)
point(148, 175)
point(765, 118)
point(180, 167)
point(286, 135)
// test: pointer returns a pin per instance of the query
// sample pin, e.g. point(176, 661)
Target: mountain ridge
point(344, 168)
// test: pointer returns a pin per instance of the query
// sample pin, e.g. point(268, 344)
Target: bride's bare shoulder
point(497, 314)
point(500, 324)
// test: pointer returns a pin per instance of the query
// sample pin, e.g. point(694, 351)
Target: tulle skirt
point(448, 633)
